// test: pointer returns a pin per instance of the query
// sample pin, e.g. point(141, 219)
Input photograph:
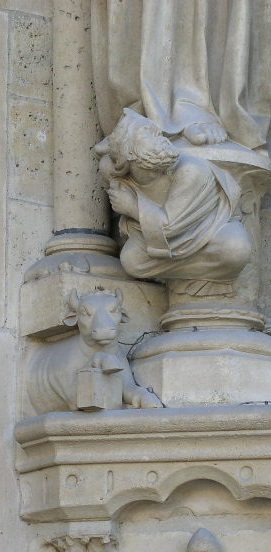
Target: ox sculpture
point(88, 371)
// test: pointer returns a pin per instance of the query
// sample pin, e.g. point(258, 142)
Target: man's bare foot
point(205, 133)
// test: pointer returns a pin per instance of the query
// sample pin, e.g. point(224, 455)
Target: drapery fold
point(184, 61)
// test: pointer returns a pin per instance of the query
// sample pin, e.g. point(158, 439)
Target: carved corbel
point(84, 543)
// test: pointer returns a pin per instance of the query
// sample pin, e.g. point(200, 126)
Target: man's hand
point(123, 200)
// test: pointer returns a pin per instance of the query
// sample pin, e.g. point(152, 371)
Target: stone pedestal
point(212, 353)
point(206, 366)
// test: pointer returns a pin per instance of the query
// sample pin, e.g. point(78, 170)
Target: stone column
point(81, 209)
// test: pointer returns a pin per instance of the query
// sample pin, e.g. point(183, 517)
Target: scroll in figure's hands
point(123, 199)
point(205, 133)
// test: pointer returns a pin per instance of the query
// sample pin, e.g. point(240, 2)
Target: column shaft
point(79, 204)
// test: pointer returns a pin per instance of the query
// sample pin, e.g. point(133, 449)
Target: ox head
point(97, 314)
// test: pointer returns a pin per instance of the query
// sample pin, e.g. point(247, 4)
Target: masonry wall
point(25, 211)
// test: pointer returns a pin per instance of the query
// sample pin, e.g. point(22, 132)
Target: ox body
point(58, 368)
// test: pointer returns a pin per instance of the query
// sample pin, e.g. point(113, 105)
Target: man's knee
point(235, 246)
point(130, 260)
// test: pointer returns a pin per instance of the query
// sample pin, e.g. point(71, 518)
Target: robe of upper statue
point(185, 62)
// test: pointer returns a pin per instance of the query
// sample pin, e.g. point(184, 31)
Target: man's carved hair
point(136, 138)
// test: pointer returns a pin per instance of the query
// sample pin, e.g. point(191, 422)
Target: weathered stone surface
point(3, 158)
point(203, 540)
point(44, 303)
point(31, 57)
point(134, 455)
point(198, 505)
point(265, 289)
point(79, 200)
point(29, 228)
point(39, 7)
point(13, 532)
point(30, 161)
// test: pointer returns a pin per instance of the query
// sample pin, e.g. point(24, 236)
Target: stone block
point(247, 539)
point(30, 160)
point(3, 157)
point(98, 391)
point(43, 304)
point(13, 531)
point(29, 229)
point(31, 56)
point(38, 7)
point(196, 378)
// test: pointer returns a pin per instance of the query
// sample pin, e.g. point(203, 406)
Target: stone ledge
point(130, 455)
point(252, 417)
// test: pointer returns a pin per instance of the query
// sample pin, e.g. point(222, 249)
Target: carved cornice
point(139, 455)
point(83, 543)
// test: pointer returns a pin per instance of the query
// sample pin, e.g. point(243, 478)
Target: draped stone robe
point(179, 216)
point(180, 62)
point(184, 61)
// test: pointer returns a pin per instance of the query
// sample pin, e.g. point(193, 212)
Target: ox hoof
point(139, 397)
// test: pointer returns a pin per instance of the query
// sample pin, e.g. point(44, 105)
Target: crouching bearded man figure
point(179, 212)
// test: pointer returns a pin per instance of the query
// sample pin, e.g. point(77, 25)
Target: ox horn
point(74, 300)
point(103, 148)
point(119, 296)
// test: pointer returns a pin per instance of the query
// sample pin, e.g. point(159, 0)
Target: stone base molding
point(81, 466)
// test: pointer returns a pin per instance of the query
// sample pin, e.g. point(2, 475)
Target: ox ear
point(70, 320)
point(119, 297)
point(73, 303)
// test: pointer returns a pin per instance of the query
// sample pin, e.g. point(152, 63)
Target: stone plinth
point(78, 466)
point(206, 366)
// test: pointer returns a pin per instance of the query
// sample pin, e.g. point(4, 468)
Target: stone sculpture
point(77, 544)
point(179, 211)
point(72, 374)
point(180, 198)
point(203, 541)
point(182, 99)
point(200, 69)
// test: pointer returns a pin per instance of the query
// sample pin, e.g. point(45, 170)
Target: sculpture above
point(192, 67)
point(180, 212)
